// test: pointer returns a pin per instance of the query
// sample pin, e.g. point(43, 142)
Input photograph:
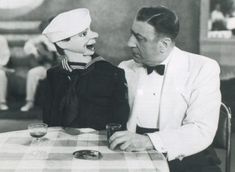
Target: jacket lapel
point(134, 73)
point(174, 87)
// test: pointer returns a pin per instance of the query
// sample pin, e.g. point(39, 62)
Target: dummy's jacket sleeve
point(48, 99)
point(120, 104)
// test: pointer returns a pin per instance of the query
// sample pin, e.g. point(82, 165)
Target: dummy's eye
point(83, 34)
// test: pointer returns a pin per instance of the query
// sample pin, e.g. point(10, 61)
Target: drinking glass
point(37, 130)
point(111, 128)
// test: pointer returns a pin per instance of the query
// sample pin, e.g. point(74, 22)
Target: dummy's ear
point(62, 44)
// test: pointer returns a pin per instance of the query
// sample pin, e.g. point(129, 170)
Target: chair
point(222, 138)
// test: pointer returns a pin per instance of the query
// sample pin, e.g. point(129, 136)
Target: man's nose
point(131, 42)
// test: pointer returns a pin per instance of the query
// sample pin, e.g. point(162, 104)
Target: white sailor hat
point(67, 24)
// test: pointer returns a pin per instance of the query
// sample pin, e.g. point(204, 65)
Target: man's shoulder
point(201, 60)
point(128, 64)
point(196, 60)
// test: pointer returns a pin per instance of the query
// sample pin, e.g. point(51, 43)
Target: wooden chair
point(222, 139)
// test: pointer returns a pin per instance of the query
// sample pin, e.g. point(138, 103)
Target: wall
point(112, 19)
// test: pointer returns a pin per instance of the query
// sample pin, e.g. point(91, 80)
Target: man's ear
point(165, 43)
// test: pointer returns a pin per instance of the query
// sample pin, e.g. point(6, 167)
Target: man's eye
point(140, 38)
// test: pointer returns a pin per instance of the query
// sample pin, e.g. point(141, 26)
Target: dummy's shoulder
point(106, 66)
point(55, 70)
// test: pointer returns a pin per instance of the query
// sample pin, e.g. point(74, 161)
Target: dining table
point(19, 152)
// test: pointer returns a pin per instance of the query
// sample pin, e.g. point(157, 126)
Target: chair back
point(222, 138)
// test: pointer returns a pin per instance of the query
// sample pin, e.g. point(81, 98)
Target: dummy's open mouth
point(91, 45)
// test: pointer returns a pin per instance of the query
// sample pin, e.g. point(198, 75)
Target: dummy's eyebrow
point(83, 31)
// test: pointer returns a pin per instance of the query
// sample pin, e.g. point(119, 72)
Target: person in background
point(218, 19)
point(44, 52)
point(84, 90)
point(174, 96)
point(4, 59)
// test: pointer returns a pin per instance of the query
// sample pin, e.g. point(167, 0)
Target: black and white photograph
point(117, 85)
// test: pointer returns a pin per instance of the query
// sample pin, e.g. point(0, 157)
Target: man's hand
point(129, 141)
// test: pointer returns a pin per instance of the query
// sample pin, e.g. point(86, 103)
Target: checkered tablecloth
point(54, 153)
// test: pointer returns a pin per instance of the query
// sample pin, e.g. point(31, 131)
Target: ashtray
point(87, 154)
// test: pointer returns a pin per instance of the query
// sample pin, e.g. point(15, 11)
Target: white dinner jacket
point(189, 103)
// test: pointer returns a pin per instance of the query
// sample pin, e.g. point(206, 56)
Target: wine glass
point(37, 130)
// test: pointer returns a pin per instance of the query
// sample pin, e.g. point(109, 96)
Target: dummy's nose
point(94, 34)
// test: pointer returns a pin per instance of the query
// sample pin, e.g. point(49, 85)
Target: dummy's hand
point(130, 141)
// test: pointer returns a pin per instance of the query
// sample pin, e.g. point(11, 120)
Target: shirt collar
point(70, 68)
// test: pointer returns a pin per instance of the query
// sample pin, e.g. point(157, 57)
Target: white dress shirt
point(149, 89)
point(149, 96)
point(149, 93)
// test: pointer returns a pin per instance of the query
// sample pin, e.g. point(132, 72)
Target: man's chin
point(136, 60)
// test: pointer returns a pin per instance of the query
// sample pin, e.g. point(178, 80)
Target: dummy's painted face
point(82, 43)
point(145, 44)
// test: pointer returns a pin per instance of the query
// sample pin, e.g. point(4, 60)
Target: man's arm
point(199, 125)
point(201, 119)
point(129, 141)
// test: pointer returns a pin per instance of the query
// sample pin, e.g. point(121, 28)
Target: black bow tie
point(159, 69)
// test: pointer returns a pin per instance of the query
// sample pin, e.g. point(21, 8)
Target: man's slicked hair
point(164, 20)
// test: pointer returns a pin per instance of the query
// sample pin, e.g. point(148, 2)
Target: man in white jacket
point(174, 95)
